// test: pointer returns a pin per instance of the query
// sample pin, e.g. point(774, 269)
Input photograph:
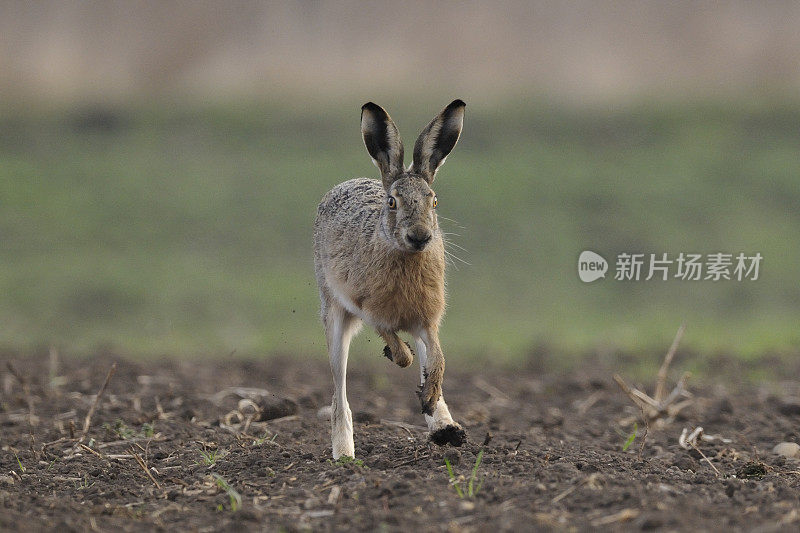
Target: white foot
point(442, 427)
point(342, 432)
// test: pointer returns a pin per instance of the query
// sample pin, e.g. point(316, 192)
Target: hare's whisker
point(453, 221)
point(454, 256)
point(451, 243)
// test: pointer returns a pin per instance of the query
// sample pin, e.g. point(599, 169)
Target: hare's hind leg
point(396, 350)
point(441, 425)
point(340, 326)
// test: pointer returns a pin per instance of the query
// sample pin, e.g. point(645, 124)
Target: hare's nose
point(418, 240)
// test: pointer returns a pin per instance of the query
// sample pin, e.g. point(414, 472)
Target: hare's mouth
point(417, 242)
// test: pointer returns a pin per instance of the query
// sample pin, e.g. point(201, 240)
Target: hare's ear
point(437, 140)
point(382, 141)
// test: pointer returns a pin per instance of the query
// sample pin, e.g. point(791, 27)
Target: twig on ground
point(644, 437)
point(627, 390)
point(584, 405)
point(88, 420)
point(407, 427)
point(54, 381)
point(90, 450)
point(410, 461)
point(593, 481)
point(659, 406)
point(158, 437)
point(53, 443)
point(284, 419)
point(662, 372)
point(689, 440)
point(241, 392)
point(144, 467)
point(335, 496)
point(623, 516)
point(706, 458)
point(26, 390)
point(566, 493)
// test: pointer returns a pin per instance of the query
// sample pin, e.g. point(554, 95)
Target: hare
point(379, 258)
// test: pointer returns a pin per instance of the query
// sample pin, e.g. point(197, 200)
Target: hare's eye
point(435, 202)
point(392, 202)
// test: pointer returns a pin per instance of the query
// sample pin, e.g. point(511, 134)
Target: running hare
point(379, 258)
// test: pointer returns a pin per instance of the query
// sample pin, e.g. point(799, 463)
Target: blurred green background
point(158, 201)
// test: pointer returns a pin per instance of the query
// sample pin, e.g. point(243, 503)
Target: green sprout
point(209, 457)
point(21, 466)
point(472, 489)
point(234, 497)
point(346, 460)
point(261, 440)
point(631, 438)
point(120, 429)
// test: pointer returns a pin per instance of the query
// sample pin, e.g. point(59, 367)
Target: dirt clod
point(453, 455)
point(752, 470)
point(272, 408)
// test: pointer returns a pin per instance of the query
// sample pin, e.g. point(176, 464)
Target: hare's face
point(409, 215)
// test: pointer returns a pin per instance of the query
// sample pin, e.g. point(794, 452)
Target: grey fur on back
point(347, 219)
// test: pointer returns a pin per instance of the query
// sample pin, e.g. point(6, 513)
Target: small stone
point(324, 412)
point(467, 506)
point(787, 449)
point(8, 480)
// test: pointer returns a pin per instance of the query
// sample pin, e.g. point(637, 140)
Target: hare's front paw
point(402, 355)
point(452, 434)
point(429, 394)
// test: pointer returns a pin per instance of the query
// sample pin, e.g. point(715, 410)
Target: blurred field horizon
point(157, 196)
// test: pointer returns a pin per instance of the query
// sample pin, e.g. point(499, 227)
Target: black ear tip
point(457, 103)
point(375, 110)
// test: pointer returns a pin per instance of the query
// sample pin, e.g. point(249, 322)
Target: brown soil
point(552, 451)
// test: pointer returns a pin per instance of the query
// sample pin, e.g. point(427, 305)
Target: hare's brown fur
point(379, 258)
point(389, 288)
